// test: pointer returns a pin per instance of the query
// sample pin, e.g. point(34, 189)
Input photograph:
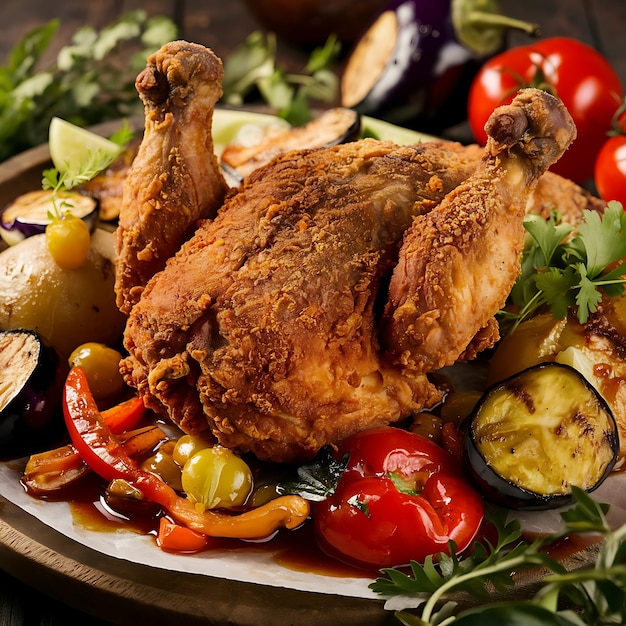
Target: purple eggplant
point(30, 213)
point(32, 377)
point(415, 63)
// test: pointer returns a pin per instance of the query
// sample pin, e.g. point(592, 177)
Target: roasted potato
point(67, 307)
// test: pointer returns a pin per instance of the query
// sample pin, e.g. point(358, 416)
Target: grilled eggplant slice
point(30, 213)
point(33, 374)
point(534, 435)
point(332, 127)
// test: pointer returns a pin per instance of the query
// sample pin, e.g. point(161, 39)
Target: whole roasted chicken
point(325, 289)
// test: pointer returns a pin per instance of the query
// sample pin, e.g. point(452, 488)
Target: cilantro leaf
point(603, 238)
point(570, 273)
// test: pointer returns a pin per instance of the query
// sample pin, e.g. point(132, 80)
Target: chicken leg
point(459, 262)
point(174, 179)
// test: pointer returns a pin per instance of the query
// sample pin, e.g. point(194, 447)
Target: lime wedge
point(74, 149)
point(390, 132)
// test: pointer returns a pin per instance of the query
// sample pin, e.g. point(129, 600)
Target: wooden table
point(222, 25)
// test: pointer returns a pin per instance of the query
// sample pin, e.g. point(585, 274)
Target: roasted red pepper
point(106, 456)
point(401, 498)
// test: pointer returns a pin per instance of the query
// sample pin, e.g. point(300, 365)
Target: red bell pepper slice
point(106, 456)
point(401, 498)
point(125, 415)
point(173, 537)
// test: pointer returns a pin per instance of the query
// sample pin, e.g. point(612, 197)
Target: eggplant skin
point(534, 435)
point(33, 375)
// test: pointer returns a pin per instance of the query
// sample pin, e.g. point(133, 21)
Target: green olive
point(162, 463)
point(458, 405)
point(427, 425)
point(187, 446)
point(217, 478)
point(101, 366)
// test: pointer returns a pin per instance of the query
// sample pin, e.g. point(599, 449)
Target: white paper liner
point(244, 566)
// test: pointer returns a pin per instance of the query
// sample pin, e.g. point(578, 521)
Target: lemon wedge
point(74, 149)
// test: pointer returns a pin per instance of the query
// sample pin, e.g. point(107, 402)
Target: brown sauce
point(295, 550)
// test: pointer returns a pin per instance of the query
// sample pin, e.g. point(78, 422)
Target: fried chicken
point(265, 326)
point(175, 179)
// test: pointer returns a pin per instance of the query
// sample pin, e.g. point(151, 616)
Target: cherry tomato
point(610, 170)
point(68, 240)
point(401, 498)
point(580, 76)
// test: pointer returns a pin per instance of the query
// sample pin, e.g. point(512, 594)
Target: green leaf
point(573, 273)
point(509, 614)
point(252, 70)
point(604, 238)
point(317, 480)
point(28, 51)
point(91, 80)
point(322, 58)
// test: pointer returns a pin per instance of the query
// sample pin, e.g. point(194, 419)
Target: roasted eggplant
point(534, 435)
point(33, 374)
point(30, 213)
point(332, 127)
point(414, 64)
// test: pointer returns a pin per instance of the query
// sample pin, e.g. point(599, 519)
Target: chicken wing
point(174, 179)
point(459, 262)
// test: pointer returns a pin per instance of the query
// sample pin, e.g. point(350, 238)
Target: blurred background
point(303, 24)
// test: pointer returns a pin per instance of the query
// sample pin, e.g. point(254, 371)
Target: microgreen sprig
point(76, 174)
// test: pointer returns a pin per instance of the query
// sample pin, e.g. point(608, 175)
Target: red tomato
point(610, 170)
point(580, 76)
point(401, 498)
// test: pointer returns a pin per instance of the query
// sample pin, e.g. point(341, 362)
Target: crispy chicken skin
point(265, 326)
point(459, 262)
point(174, 179)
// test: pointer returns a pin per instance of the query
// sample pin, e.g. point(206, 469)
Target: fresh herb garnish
point(594, 595)
point(91, 81)
point(316, 480)
point(252, 69)
point(566, 273)
point(76, 174)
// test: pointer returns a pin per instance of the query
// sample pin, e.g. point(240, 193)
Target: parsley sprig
point(91, 80)
point(593, 595)
point(563, 272)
